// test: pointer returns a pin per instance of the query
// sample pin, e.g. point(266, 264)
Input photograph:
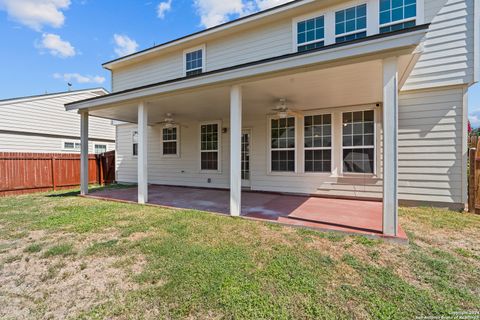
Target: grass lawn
point(62, 256)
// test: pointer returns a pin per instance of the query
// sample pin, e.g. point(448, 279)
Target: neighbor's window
point(351, 23)
point(283, 145)
point(311, 34)
point(169, 144)
point(397, 14)
point(194, 62)
point(318, 143)
point(100, 148)
point(359, 142)
point(73, 146)
point(135, 143)
point(209, 146)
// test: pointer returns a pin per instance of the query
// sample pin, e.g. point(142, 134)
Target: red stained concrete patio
point(350, 216)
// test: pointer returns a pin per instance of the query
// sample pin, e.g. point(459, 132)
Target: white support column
point(390, 147)
point(142, 153)
point(84, 153)
point(235, 150)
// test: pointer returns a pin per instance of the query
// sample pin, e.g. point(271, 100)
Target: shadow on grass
point(76, 192)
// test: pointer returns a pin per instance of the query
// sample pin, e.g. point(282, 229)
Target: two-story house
point(359, 99)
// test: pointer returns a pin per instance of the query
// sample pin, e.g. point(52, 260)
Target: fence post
point(54, 172)
point(472, 185)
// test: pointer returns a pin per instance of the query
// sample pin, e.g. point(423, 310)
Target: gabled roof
point(99, 90)
point(227, 25)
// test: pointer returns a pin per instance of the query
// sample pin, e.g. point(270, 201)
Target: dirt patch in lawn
point(64, 283)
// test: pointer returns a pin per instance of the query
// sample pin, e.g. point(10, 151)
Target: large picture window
point(311, 34)
point(209, 146)
point(397, 14)
point(318, 143)
point(170, 141)
point(359, 142)
point(351, 23)
point(283, 145)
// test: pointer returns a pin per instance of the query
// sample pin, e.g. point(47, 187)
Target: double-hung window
point(71, 146)
point(351, 23)
point(283, 144)
point(359, 142)
point(194, 62)
point(135, 143)
point(311, 34)
point(209, 146)
point(318, 143)
point(397, 14)
point(170, 141)
point(100, 148)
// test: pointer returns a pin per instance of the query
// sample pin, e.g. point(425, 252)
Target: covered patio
point(327, 214)
point(337, 79)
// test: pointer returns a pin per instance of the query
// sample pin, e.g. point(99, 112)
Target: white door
point(246, 139)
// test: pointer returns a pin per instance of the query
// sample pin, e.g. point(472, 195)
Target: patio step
point(352, 188)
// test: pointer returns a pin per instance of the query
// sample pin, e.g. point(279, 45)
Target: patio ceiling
point(352, 84)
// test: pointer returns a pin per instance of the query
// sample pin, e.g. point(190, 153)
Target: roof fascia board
point(50, 96)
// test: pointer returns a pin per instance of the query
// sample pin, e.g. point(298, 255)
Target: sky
point(49, 43)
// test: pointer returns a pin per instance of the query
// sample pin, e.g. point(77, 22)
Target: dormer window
point(194, 60)
point(397, 14)
point(310, 34)
point(351, 23)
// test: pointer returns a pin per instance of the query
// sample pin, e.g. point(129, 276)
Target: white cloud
point(215, 12)
point(68, 77)
point(266, 4)
point(474, 118)
point(164, 7)
point(56, 46)
point(124, 45)
point(36, 13)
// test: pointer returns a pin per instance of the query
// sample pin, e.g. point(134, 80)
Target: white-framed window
point(310, 33)
point(358, 142)
point(282, 144)
point(397, 14)
point(210, 142)
point(100, 148)
point(194, 61)
point(318, 143)
point(135, 143)
point(72, 146)
point(351, 23)
point(170, 138)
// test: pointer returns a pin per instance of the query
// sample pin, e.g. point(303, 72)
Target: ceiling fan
point(282, 110)
point(169, 122)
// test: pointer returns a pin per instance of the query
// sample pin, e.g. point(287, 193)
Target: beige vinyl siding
point(41, 124)
point(184, 170)
point(48, 116)
point(449, 46)
point(169, 66)
point(430, 145)
point(272, 40)
point(42, 144)
point(447, 58)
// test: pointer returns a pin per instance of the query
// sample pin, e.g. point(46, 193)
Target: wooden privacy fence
point(35, 172)
point(474, 174)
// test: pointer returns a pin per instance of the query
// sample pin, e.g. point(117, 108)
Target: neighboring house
point(40, 124)
point(362, 99)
